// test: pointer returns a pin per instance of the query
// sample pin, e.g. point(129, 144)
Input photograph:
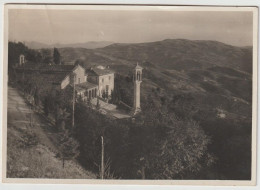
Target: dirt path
point(40, 160)
point(20, 115)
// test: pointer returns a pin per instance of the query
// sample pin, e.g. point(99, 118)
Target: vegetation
point(16, 49)
point(123, 90)
point(36, 160)
point(56, 56)
point(196, 119)
point(69, 148)
point(165, 146)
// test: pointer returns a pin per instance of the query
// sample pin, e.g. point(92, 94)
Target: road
point(20, 115)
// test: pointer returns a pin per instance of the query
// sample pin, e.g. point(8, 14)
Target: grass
point(32, 151)
point(37, 161)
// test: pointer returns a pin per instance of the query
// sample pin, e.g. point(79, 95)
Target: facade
point(137, 79)
point(104, 78)
point(80, 75)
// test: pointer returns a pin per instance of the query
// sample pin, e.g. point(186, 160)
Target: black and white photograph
point(112, 93)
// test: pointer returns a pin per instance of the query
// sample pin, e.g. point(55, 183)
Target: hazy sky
point(67, 26)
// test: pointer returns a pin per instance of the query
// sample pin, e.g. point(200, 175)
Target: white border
point(166, 2)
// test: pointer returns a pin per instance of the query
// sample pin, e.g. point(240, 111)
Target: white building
point(104, 78)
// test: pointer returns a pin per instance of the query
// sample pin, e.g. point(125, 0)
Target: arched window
point(138, 76)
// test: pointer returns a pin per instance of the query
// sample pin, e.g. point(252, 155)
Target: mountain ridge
point(87, 45)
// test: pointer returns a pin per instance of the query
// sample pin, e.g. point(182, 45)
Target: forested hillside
point(191, 90)
point(209, 81)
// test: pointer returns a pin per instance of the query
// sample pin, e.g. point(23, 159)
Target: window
point(102, 80)
point(78, 80)
point(109, 77)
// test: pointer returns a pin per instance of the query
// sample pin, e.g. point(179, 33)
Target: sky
point(125, 26)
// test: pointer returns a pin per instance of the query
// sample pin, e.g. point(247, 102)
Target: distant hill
point(176, 54)
point(199, 65)
point(183, 54)
point(87, 45)
point(37, 45)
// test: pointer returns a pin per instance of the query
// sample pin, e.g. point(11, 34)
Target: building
point(88, 83)
point(104, 78)
point(72, 74)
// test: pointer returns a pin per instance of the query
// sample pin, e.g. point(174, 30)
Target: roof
point(85, 86)
point(55, 78)
point(138, 66)
point(47, 68)
point(54, 74)
point(99, 72)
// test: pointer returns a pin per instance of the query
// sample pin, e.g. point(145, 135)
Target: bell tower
point(137, 79)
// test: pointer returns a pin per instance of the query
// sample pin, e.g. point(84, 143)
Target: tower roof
point(138, 66)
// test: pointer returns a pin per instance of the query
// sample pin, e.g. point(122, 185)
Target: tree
point(79, 62)
point(183, 150)
point(14, 51)
point(46, 56)
point(61, 117)
point(56, 56)
point(68, 148)
point(36, 97)
point(98, 104)
point(48, 104)
point(164, 147)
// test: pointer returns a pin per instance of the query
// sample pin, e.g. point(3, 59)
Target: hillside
point(33, 146)
point(178, 64)
point(205, 82)
point(183, 54)
point(176, 54)
point(209, 80)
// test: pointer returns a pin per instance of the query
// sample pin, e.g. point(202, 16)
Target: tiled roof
point(56, 78)
point(47, 68)
point(98, 72)
point(54, 74)
point(52, 78)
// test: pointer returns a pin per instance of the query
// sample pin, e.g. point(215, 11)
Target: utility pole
point(23, 83)
point(142, 159)
point(30, 115)
point(102, 158)
point(73, 101)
